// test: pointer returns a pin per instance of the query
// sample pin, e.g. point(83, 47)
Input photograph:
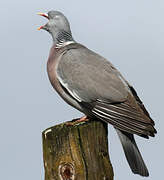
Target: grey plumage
point(88, 86)
point(132, 153)
point(92, 80)
point(91, 84)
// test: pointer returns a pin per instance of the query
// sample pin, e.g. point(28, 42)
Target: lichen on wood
point(77, 152)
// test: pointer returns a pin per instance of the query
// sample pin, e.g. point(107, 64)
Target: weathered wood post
point(77, 152)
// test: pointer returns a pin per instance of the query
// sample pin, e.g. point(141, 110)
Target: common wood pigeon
point(91, 84)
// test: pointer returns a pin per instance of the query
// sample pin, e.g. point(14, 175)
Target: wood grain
point(77, 151)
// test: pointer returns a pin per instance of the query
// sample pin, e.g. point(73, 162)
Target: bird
point(91, 84)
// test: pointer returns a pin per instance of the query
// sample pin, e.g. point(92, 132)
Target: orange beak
point(44, 15)
point(39, 28)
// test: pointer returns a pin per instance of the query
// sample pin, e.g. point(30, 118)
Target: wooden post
point(77, 152)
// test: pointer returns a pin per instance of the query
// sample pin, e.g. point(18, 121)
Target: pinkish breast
point(52, 64)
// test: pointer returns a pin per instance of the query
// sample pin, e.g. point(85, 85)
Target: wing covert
point(88, 77)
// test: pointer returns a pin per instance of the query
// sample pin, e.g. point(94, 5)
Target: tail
point(132, 153)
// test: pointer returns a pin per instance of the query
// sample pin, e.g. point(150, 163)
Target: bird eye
point(56, 17)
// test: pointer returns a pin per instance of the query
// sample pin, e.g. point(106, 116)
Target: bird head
point(57, 24)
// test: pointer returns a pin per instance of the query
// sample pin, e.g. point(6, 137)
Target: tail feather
point(132, 153)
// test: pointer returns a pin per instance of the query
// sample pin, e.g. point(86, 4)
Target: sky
point(129, 33)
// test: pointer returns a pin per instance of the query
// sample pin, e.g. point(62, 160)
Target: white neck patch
point(62, 44)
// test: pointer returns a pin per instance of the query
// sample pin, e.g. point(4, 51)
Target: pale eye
point(56, 17)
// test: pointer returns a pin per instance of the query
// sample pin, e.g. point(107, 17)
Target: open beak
point(44, 15)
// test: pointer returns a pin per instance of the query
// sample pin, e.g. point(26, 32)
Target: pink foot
point(81, 120)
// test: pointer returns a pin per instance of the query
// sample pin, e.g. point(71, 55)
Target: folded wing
point(98, 86)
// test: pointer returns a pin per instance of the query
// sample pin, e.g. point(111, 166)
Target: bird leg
point(77, 121)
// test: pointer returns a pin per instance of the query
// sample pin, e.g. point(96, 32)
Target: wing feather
point(89, 77)
point(132, 120)
point(92, 80)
